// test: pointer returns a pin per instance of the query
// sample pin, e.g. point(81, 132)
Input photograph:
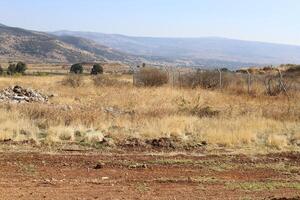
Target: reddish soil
point(94, 175)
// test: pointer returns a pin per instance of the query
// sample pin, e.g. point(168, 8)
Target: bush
point(18, 68)
point(21, 68)
point(1, 70)
point(73, 81)
point(151, 77)
point(293, 69)
point(97, 69)
point(76, 68)
point(205, 79)
point(11, 70)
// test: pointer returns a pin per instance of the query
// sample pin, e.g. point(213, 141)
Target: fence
point(271, 83)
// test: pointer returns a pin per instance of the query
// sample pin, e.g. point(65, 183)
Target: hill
point(197, 51)
point(70, 47)
point(21, 44)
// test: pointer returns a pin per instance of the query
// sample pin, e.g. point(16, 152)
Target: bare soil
point(143, 175)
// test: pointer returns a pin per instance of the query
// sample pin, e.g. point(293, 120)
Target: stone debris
point(17, 94)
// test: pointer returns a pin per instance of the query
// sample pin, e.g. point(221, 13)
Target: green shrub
point(18, 68)
point(11, 70)
point(21, 68)
point(97, 69)
point(41, 73)
point(76, 68)
point(1, 70)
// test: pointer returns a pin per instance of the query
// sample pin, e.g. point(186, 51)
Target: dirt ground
point(147, 175)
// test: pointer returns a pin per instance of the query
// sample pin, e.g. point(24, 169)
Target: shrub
point(268, 68)
point(76, 68)
point(73, 81)
point(1, 70)
point(225, 69)
point(41, 73)
point(206, 79)
point(275, 87)
point(151, 77)
point(293, 69)
point(21, 68)
point(97, 69)
point(11, 69)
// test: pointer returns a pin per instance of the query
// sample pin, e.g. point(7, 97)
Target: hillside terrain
point(206, 51)
point(70, 47)
point(21, 44)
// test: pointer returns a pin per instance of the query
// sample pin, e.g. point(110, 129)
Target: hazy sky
point(259, 20)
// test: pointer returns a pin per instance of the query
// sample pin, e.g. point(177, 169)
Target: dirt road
point(73, 175)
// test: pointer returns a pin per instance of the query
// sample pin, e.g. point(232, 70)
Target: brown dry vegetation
point(112, 107)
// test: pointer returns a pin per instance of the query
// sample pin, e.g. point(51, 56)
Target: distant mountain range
point(197, 51)
point(70, 46)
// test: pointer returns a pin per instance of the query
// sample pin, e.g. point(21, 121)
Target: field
point(155, 142)
point(61, 175)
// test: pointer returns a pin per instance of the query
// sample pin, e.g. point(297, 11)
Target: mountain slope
point(21, 44)
point(97, 49)
point(197, 50)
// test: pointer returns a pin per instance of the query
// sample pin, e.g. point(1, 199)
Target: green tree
point(1, 70)
point(76, 68)
point(11, 70)
point(97, 69)
point(21, 67)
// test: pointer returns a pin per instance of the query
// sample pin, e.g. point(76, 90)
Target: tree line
point(12, 69)
point(78, 69)
point(21, 67)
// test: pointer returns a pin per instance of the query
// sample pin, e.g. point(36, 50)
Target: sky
point(257, 20)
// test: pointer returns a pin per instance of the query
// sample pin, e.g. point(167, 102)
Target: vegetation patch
point(263, 186)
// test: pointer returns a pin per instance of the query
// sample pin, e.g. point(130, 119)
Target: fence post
point(179, 79)
point(133, 78)
point(249, 81)
point(220, 78)
point(173, 78)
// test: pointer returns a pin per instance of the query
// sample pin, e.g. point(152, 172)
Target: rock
point(202, 143)
point(52, 95)
point(17, 94)
point(17, 89)
point(99, 166)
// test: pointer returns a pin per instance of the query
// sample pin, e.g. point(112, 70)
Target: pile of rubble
point(17, 94)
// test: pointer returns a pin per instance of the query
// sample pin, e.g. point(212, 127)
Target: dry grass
point(151, 77)
point(80, 115)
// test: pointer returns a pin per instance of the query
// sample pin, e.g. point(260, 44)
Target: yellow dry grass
point(243, 121)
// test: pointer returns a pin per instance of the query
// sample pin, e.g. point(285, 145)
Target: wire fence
point(271, 83)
